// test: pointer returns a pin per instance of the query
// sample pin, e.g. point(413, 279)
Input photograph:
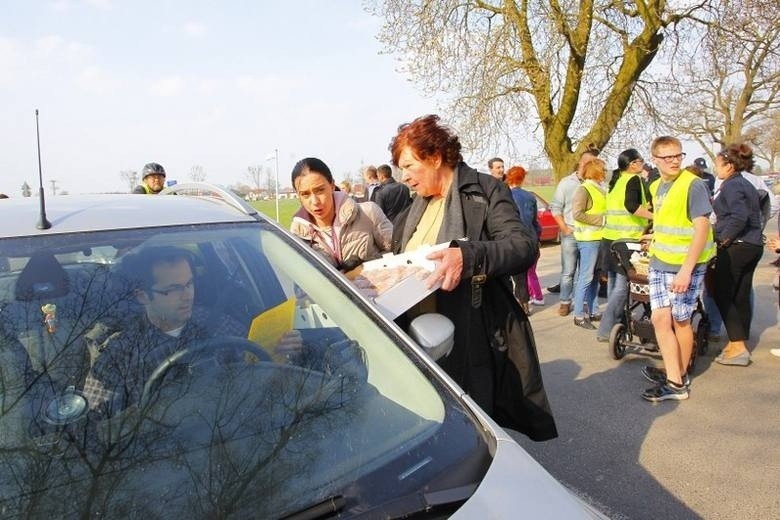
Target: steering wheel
point(201, 349)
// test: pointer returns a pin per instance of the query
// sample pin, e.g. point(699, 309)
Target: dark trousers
point(733, 281)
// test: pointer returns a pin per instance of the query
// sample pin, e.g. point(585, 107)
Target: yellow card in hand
point(269, 326)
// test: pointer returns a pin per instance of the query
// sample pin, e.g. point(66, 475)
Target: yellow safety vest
point(619, 222)
point(587, 232)
point(672, 229)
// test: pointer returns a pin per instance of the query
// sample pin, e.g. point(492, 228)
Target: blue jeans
point(569, 258)
point(586, 289)
point(716, 322)
point(617, 294)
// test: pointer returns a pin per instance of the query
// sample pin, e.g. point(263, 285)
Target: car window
point(281, 389)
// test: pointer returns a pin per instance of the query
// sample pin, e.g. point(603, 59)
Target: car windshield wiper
point(418, 505)
point(414, 505)
point(322, 509)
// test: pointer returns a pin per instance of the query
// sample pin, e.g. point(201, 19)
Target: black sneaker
point(658, 375)
point(584, 323)
point(665, 392)
point(555, 289)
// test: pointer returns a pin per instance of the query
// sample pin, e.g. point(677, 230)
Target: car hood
point(516, 485)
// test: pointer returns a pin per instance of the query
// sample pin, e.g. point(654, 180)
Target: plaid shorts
point(682, 304)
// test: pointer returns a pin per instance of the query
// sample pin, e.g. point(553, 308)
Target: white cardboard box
point(400, 297)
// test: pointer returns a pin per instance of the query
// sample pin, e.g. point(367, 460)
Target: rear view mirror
point(435, 333)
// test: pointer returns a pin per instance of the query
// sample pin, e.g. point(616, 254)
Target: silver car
point(294, 396)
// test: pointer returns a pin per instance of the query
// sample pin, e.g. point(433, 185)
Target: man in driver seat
point(163, 284)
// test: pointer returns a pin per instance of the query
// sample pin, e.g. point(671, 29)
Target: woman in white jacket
point(346, 232)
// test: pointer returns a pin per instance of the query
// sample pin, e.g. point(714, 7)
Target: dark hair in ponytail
point(625, 158)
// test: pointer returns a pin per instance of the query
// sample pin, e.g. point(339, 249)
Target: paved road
point(715, 456)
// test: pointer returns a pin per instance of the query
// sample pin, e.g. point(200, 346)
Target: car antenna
point(42, 223)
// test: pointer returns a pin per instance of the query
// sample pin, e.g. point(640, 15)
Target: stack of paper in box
point(396, 282)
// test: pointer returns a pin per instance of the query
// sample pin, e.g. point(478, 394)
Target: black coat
point(393, 197)
point(494, 357)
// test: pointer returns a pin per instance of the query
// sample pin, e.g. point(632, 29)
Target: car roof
point(83, 213)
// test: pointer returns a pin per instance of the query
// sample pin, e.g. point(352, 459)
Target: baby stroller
point(635, 332)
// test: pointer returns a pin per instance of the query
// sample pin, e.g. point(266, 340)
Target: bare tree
point(130, 177)
point(256, 175)
point(766, 140)
point(724, 78)
point(270, 181)
point(574, 64)
point(350, 177)
point(197, 173)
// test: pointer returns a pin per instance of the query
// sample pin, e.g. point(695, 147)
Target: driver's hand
point(290, 346)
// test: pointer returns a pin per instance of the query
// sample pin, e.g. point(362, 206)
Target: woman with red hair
point(494, 355)
point(527, 287)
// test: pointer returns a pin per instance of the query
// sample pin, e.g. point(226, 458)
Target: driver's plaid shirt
point(117, 378)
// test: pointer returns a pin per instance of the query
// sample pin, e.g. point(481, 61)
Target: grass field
point(287, 207)
point(546, 192)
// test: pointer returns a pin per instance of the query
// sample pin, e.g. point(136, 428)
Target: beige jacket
point(360, 232)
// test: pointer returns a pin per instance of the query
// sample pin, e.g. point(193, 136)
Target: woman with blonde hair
point(589, 206)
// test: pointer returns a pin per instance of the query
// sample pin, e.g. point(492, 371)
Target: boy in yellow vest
point(681, 246)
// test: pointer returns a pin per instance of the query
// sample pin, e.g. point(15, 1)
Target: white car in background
point(362, 424)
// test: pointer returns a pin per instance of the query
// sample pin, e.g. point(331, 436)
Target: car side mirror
point(435, 333)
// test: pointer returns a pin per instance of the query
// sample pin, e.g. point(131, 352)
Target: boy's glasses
point(670, 158)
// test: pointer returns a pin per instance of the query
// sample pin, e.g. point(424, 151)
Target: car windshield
point(236, 376)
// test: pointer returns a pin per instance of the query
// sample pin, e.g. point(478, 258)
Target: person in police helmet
point(152, 180)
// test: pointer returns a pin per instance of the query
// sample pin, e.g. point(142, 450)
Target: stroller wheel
point(617, 337)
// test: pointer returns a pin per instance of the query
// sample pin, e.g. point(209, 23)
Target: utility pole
point(53, 186)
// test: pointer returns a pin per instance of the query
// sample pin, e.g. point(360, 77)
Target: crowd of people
point(443, 200)
point(693, 225)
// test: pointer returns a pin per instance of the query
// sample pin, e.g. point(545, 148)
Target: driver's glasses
point(175, 289)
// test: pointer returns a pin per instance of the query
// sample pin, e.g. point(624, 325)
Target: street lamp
point(275, 156)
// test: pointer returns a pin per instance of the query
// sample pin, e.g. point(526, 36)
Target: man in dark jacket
point(164, 282)
point(393, 197)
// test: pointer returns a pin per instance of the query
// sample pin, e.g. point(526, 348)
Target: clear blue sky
point(217, 84)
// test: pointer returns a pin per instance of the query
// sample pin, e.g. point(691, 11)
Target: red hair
point(427, 138)
point(516, 175)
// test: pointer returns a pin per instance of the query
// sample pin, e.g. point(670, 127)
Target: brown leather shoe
point(564, 309)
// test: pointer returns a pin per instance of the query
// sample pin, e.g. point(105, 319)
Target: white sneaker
point(775, 351)
point(537, 302)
